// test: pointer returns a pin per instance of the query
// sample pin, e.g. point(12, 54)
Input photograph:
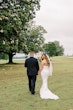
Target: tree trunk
point(10, 58)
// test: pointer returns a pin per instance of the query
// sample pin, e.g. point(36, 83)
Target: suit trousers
point(32, 81)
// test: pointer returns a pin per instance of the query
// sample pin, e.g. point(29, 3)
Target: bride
point(46, 71)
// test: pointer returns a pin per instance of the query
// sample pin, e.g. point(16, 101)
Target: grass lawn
point(14, 94)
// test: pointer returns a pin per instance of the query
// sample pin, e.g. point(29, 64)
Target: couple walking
point(32, 66)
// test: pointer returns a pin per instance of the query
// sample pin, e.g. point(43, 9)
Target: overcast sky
point(56, 16)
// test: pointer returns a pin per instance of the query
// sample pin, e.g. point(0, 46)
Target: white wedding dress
point(45, 93)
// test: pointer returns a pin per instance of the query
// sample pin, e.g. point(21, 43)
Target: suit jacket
point(32, 66)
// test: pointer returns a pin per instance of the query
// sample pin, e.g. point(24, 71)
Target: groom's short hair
point(31, 53)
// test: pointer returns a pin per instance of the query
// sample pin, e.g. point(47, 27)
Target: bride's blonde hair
point(46, 58)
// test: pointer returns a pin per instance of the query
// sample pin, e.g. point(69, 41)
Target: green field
point(14, 94)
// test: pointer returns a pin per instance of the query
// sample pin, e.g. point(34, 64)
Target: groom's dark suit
point(32, 71)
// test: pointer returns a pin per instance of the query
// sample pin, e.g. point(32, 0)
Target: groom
point(32, 66)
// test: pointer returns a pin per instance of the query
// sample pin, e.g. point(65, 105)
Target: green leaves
point(53, 48)
point(34, 37)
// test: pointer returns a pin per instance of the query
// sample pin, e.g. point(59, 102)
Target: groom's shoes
point(32, 93)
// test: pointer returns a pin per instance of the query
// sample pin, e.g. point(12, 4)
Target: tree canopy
point(34, 38)
point(14, 18)
point(53, 48)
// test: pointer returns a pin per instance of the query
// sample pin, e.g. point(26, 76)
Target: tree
point(50, 49)
point(14, 17)
point(59, 49)
point(53, 48)
point(34, 38)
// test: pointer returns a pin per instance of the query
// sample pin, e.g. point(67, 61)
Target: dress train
point(45, 93)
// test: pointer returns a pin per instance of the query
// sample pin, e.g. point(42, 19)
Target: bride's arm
point(41, 66)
